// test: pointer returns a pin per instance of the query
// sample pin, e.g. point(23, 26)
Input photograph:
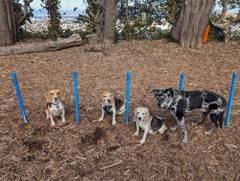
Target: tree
point(193, 19)
point(110, 15)
point(101, 18)
point(170, 8)
point(53, 7)
point(10, 20)
point(8, 28)
point(222, 21)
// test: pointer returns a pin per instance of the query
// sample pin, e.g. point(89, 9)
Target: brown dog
point(111, 104)
point(54, 99)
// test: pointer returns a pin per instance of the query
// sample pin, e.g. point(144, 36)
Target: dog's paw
point(142, 141)
point(52, 124)
point(136, 133)
point(114, 123)
point(173, 128)
point(100, 119)
point(120, 113)
point(194, 123)
point(208, 132)
point(185, 140)
point(63, 121)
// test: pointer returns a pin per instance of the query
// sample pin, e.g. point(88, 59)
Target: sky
point(65, 4)
point(69, 5)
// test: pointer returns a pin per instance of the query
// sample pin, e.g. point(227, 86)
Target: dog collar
point(57, 106)
point(50, 104)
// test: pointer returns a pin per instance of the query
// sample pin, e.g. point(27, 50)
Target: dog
point(148, 122)
point(112, 105)
point(179, 103)
point(55, 107)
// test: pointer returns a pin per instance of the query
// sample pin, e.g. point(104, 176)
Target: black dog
point(180, 103)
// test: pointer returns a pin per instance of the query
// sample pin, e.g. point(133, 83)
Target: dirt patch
point(93, 150)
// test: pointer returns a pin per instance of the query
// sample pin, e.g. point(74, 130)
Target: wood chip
point(231, 146)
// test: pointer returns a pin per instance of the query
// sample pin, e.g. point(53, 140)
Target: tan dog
point(54, 99)
point(111, 104)
point(148, 122)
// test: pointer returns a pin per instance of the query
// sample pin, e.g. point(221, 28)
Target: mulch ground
point(97, 151)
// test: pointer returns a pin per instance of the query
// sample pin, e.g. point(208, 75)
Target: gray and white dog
point(179, 103)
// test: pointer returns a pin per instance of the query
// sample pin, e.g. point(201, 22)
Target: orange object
point(205, 35)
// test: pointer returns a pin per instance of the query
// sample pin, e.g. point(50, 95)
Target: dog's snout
point(109, 101)
point(140, 118)
point(55, 98)
point(158, 104)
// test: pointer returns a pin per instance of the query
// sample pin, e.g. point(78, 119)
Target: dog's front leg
point(47, 115)
point(174, 126)
point(184, 130)
point(122, 110)
point(114, 116)
point(101, 118)
point(137, 127)
point(52, 121)
point(63, 116)
point(144, 136)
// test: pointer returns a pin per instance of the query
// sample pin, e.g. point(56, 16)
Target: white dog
point(149, 123)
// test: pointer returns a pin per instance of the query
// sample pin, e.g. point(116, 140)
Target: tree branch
point(26, 4)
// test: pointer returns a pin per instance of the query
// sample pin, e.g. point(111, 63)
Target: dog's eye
point(58, 93)
point(105, 96)
point(143, 113)
point(138, 113)
point(52, 94)
point(110, 95)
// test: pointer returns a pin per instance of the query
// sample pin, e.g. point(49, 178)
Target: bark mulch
point(94, 151)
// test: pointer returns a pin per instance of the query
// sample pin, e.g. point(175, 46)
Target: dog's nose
point(158, 104)
point(139, 118)
point(109, 101)
point(55, 98)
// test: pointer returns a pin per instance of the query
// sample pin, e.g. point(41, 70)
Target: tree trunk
point(192, 22)
point(110, 16)
point(74, 40)
point(8, 23)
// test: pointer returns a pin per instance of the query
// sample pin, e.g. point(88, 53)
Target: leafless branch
point(26, 4)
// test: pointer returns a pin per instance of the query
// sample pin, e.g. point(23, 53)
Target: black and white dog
point(180, 103)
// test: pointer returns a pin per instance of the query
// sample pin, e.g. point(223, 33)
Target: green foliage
point(25, 35)
point(92, 18)
point(215, 34)
point(136, 30)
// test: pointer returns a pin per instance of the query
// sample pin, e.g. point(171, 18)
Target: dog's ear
point(135, 115)
point(101, 98)
point(48, 97)
point(170, 92)
point(148, 116)
point(156, 91)
point(62, 96)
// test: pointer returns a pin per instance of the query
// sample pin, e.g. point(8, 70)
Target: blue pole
point(19, 96)
point(76, 96)
point(181, 81)
point(127, 97)
point(234, 78)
